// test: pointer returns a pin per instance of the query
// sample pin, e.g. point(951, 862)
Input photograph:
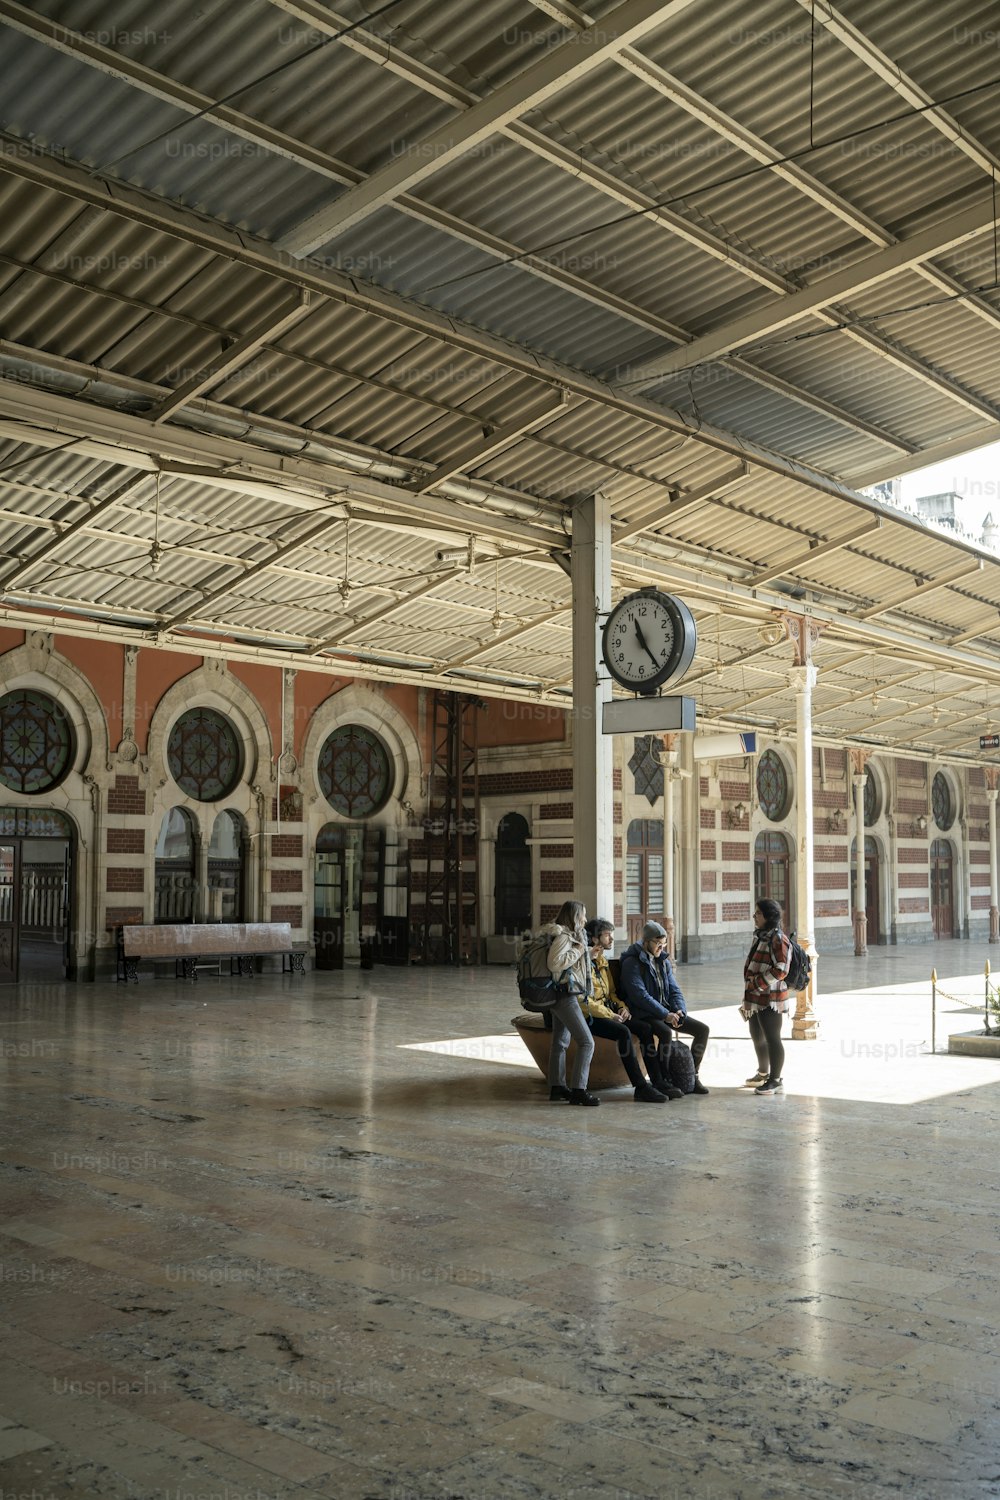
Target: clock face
point(649, 639)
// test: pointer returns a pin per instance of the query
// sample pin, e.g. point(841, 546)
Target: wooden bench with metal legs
point(195, 945)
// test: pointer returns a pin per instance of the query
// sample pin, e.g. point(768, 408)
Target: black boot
point(558, 1091)
point(580, 1096)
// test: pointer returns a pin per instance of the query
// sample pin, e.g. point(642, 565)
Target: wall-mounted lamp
point(835, 821)
point(736, 814)
point(921, 824)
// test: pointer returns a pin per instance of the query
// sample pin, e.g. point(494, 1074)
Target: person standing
point(651, 993)
point(569, 964)
point(765, 995)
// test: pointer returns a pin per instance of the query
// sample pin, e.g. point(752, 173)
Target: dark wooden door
point(942, 889)
point(873, 915)
point(9, 912)
point(328, 917)
point(771, 874)
point(874, 923)
point(43, 882)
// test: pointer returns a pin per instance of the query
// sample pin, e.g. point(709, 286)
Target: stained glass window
point(942, 805)
point(204, 754)
point(355, 771)
point(772, 786)
point(34, 823)
point(36, 742)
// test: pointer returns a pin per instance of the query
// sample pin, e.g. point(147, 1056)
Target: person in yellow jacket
point(609, 1017)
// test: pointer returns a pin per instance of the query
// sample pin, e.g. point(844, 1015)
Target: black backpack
point(799, 965)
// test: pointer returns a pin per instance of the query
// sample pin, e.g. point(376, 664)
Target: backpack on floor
point(799, 965)
point(680, 1067)
point(535, 985)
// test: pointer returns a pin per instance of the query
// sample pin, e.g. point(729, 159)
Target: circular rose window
point(355, 771)
point(36, 742)
point(204, 754)
point(942, 805)
point(772, 786)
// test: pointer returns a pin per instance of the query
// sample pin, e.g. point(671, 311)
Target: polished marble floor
point(325, 1236)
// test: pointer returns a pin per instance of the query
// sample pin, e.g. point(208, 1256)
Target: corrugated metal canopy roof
point(296, 300)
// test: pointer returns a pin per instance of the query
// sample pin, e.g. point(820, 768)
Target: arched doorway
point(512, 892)
point(873, 912)
point(942, 889)
point(36, 866)
point(348, 889)
point(176, 881)
point(771, 873)
point(227, 869)
point(643, 875)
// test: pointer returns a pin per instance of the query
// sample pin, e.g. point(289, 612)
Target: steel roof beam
point(495, 441)
point(501, 640)
point(116, 65)
point(248, 570)
point(865, 272)
point(419, 592)
point(821, 549)
point(921, 458)
point(301, 484)
point(64, 531)
point(832, 21)
point(231, 359)
point(681, 501)
point(549, 74)
point(141, 207)
point(928, 587)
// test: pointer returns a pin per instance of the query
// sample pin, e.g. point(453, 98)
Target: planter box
point(975, 1044)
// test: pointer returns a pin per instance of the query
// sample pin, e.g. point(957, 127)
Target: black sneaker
point(699, 1087)
point(558, 1091)
point(770, 1086)
point(645, 1093)
point(580, 1096)
point(757, 1078)
point(671, 1092)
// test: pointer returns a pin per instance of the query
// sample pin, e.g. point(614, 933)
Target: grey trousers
point(568, 1022)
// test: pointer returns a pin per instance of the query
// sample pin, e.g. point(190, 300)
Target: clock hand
point(642, 642)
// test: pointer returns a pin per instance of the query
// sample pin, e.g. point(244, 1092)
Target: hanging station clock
point(649, 641)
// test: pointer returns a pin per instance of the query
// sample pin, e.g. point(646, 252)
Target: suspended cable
point(711, 187)
point(253, 82)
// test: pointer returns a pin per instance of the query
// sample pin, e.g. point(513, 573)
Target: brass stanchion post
point(933, 1008)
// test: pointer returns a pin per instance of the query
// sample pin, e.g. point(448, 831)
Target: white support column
point(688, 877)
point(991, 792)
point(859, 759)
point(593, 797)
point(804, 1023)
point(669, 758)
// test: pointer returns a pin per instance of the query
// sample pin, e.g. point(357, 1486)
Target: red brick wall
point(125, 796)
point(286, 845)
point(291, 914)
point(125, 880)
point(556, 780)
point(126, 840)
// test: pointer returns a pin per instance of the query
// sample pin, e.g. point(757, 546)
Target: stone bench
point(194, 945)
point(606, 1071)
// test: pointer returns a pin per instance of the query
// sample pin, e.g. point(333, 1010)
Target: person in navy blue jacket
point(653, 995)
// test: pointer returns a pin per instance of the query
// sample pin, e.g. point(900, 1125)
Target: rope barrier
point(991, 993)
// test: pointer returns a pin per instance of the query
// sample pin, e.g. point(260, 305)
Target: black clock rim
point(681, 652)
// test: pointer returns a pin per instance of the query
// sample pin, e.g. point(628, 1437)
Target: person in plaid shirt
point(765, 995)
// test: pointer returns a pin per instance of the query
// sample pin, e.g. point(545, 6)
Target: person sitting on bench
point(651, 992)
point(608, 1017)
